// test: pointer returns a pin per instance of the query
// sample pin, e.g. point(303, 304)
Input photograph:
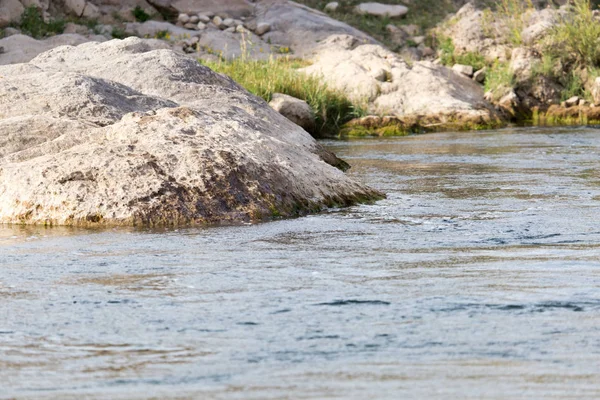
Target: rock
point(595, 90)
point(231, 29)
point(521, 62)
point(194, 19)
point(509, 102)
point(262, 28)
point(240, 29)
point(70, 27)
point(427, 52)
point(21, 48)
point(90, 11)
point(218, 21)
point(190, 26)
point(204, 18)
point(583, 103)
point(117, 134)
point(10, 11)
point(75, 7)
point(426, 92)
point(331, 7)
point(201, 26)
point(183, 18)
point(573, 101)
point(228, 22)
point(466, 70)
point(301, 28)
point(229, 46)
point(1, 50)
point(480, 75)
point(381, 10)
point(11, 31)
point(411, 30)
point(296, 110)
point(418, 40)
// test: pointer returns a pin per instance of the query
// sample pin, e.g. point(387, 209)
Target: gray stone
point(466, 70)
point(118, 134)
point(183, 18)
point(595, 90)
point(480, 75)
point(228, 22)
point(381, 10)
point(10, 11)
point(204, 18)
point(218, 21)
point(231, 29)
point(194, 19)
point(262, 28)
point(296, 110)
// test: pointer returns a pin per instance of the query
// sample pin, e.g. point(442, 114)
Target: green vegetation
point(499, 79)
point(449, 57)
point(577, 39)
point(278, 75)
point(32, 23)
point(118, 33)
point(511, 12)
point(140, 15)
point(573, 85)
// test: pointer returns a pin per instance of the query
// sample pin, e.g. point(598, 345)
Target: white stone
point(204, 18)
point(91, 11)
point(331, 7)
point(183, 18)
point(262, 28)
point(228, 22)
point(480, 75)
point(201, 26)
point(381, 10)
point(466, 70)
point(218, 21)
point(240, 29)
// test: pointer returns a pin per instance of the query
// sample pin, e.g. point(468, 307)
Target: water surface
point(477, 278)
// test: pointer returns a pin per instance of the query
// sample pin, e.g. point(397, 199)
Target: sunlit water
point(478, 277)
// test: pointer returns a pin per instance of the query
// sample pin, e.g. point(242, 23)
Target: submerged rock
point(116, 133)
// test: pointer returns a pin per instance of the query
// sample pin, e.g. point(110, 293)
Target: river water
point(477, 278)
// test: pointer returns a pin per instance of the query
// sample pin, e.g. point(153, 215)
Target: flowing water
point(477, 278)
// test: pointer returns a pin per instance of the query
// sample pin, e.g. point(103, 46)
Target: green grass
point(573, 87)
point(278, 75)
point(577, 39)
point(32, 23)
point(449, 57)
point(499, 79)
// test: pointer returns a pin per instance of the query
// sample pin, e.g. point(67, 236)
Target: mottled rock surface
point(296, 110)
point(116, 133)
point(382, 80)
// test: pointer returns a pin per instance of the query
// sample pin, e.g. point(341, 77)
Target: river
point(477, 278)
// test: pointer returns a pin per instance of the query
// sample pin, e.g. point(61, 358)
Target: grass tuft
point(140, 15)
point(499, 79)
point(279, 75)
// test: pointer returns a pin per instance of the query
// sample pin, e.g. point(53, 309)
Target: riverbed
point(477, 278)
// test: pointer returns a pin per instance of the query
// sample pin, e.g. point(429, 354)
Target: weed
point(32, 23)
point(577, 38)
point(278, 75)
point(573, 86)
point(449, 57)
point(165, 35)
point(140, 15)
point(499, 79)
point(545, 67)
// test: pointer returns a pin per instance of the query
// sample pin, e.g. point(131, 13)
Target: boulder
point(332, 6)
point(572, 101)
point(75, 7)
point(296, 110)
point(301, 28)
point(425, 91)
point(382, 10)
point(595, 90)
point(116, 133)
point(466, 70)
point(522, 60)
point(10, 11)
point(262, 28)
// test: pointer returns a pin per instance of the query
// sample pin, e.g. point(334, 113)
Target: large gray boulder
point(116, 133)
point(382, 81)
point(301, 28)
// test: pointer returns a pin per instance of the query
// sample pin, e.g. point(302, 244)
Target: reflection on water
point(478, 277)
